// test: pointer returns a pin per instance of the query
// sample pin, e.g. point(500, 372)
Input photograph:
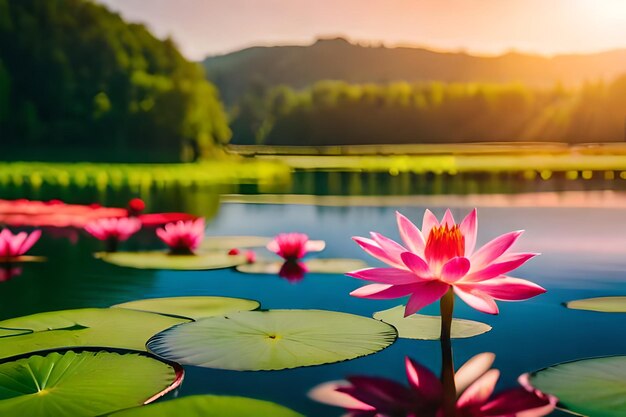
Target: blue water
point(584, 255)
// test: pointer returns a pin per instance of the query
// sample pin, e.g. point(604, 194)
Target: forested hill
point(337, 59)
point(77, 82)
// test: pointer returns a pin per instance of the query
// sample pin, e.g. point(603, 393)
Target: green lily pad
point(421, 327)
point(272, 340)
point(106, 327)
point(82, 384)
point(191, 307)
point(224, 243)
point(210, 406)
point(13, 332)
point(164, 260)
point(602, 304)
point(594, 387)
point(315, 266)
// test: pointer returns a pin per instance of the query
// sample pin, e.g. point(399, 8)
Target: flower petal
point(30, 241)
point(16, 242)
point(472, 370)
point(429, 221)
point(410, 234)
point(314, 246)
point(455, 269)
point(469, 227)
point(448, 219)
point(508, 289)
point(385, 395)
point(393, 249)
point(494, 249)
point(423, 381)
point(392, 276)
point(506, 263)
point(474, 299)
point(327, 394)
point(383, 291)
point(374, 249)
point(416, 264)
point(519, 403)
point(480, 391)
point(424, 294)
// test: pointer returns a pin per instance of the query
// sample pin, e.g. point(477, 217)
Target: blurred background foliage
point(338, 113)
point(77, 81)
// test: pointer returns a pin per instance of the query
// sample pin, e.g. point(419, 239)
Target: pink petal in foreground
point(469, 227)
point(373, 249)
point(480, 302)
point(472, 370)
point(416, 264)
point(410, 234)
point(455, 269)
point(327, 394)
point(393, 276)
point(509, 289)
point(506, 263)
point(494, 249)
point(383, 291)
point(423, 381)
point(429, 221)
point(448, 219)
point(480, 390)
point(392, 248)
point(424, 294)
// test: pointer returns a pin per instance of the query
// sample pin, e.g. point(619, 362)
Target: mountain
point(338, 59)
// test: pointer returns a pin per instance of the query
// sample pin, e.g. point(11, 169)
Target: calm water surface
point(584, 255)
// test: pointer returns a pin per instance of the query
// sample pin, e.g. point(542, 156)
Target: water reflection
point(293, 271)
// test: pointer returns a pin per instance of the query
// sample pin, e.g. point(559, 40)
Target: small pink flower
point(364, 396)
point(234, 252)
point(293, 246)
point(182, 236)
point(250, 256)
point(115, 228)
point(439, 257)
point(17, 245)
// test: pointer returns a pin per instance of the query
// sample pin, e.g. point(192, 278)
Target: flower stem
point(447, 364)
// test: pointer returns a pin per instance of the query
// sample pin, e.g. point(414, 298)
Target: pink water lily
point(182, 236)
point(12, 245)
point(441, 256)
point(364, 396)
point(293, 246)
point(118, 228)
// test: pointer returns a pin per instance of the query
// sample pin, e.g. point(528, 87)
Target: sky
point(212, 27)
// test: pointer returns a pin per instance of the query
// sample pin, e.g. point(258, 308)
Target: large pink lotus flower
point(12, 245)
point(182, 236)
point(364, 396)
point(293, 246)
point(115, 228)
point(439, 257)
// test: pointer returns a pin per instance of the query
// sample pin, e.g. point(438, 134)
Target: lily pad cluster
point(97, 361)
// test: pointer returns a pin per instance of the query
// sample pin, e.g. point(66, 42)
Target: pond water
point(582, 239)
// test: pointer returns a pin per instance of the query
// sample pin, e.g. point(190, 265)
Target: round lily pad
point(191, 307)
point(210, 406)
point(164, 260)
point(272, 340)
point(421, 327)
point(601, 304)
point(316, 266)
point(225, 243)
point(593, 387)
point(82, 383)
point(106, 327)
